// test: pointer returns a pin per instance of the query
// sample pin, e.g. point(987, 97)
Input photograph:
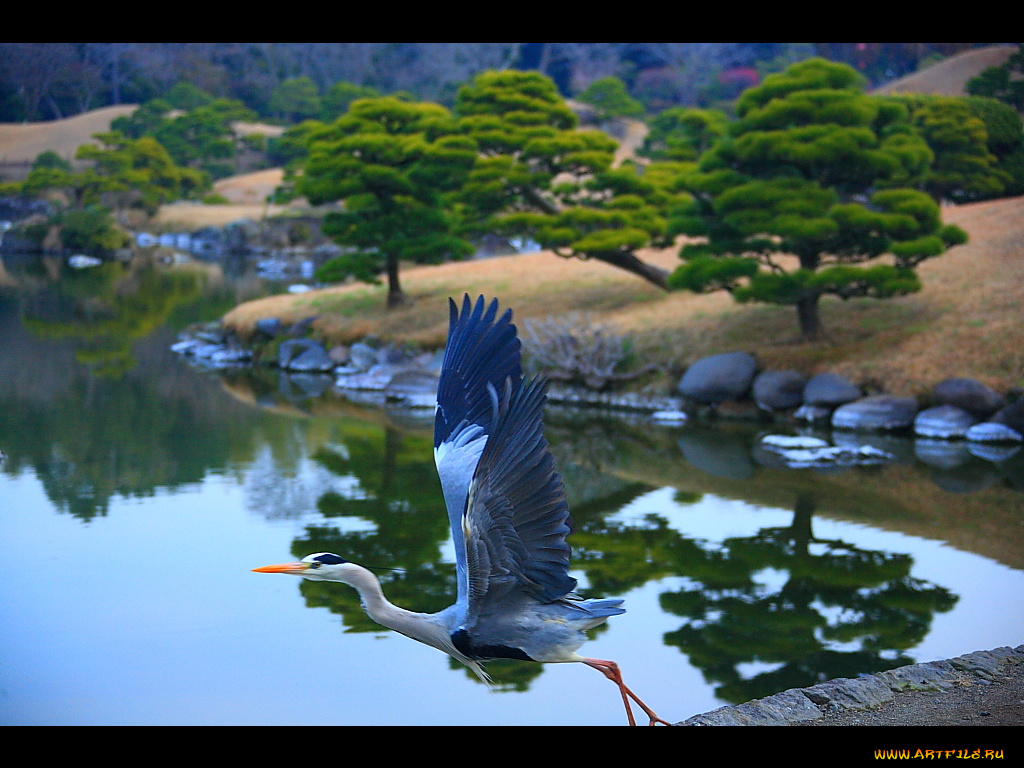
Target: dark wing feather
point(517, 518)
point(482, 349)
point(483, 353)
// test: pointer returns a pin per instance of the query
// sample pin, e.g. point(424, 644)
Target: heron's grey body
point(508, 514)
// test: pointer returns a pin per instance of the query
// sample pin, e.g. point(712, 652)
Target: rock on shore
point(850, 701)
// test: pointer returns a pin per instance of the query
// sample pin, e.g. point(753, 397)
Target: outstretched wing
point(483, 353)
point(517, 518)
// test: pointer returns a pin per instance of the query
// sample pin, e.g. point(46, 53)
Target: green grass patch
point(354, 303)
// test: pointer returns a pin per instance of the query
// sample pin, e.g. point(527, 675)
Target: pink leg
point(611, 670)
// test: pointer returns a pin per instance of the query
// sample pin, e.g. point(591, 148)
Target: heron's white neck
point(419, 626)
point(427, 628)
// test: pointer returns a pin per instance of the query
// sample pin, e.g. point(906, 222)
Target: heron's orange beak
point(296, 568)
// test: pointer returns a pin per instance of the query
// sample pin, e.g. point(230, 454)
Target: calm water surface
point(137, 493)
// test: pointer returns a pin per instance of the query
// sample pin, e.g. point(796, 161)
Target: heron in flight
point(508, 514)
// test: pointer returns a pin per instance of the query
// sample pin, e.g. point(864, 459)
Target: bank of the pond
point(977, 689)
point(733, 385)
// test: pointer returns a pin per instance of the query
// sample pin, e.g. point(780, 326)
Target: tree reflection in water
point(801, 608)
point(809, 609)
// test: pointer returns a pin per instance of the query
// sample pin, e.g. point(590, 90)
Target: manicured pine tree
point(813, 168)
point(390, 163)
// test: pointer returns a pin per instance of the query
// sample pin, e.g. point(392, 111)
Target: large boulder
point(830, 390)
point(718, 378)
point(878, 412)
point(1012, 416)
point(945, 422)
point(779, 390)
point(304, 355)
point(973, 396)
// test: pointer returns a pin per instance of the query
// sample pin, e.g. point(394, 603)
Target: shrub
point(573, 349)
point(92, 230)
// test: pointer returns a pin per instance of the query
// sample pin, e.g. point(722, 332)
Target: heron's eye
point(315, 564)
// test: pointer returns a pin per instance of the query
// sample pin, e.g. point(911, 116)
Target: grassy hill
point(21, 143)
point(949, 77)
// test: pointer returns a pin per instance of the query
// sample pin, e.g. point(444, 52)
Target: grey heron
point(508, 514)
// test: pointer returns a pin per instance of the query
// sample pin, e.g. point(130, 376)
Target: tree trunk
point(807, 312)
point(395, 296)
point(628, 261)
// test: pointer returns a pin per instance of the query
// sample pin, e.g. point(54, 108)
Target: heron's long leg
point(611, 670)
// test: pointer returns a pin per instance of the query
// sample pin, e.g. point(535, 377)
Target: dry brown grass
point(965, 321)
point(23, 142)
point(949, 77)
point(249, 188)
point(189, 217)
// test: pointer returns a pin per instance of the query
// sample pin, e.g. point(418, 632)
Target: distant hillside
point(21, 143)
point(949, 77)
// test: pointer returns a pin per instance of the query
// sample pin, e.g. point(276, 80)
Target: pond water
point(137, 493)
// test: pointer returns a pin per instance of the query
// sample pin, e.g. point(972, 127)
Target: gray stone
point(779, 390)
point(866, 692)
point(392, 355)
point(304, 355)
point(917, 677)
point(1012, 416)
point(780, 709)
point(362, 356)
point(270, 326)
point(722, 716)
point(338, 354)
point(830, 390)
point(878, 412)
point(991, 432)
point(848, 694)
point(973, 396)
point(987, 664)
point(718, 378)
point(945, 422)
point(790, 706)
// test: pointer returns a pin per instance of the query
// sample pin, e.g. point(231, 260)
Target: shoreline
point(979, 688)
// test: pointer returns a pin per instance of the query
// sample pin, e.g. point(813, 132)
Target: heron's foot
point(611, 670)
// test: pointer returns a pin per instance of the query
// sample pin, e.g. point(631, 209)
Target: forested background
point(47, 81)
